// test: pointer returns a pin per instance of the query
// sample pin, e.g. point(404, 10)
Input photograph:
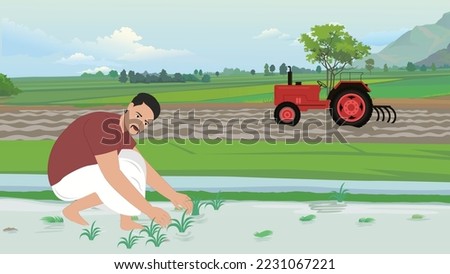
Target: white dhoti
point(89, 179)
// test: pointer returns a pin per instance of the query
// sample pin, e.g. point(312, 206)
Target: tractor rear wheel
point(351, 107)
point(287, 113)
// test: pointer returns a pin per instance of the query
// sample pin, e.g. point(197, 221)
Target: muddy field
point(413, 125)
point(336, 228)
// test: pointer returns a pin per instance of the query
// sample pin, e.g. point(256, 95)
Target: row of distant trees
point(283, 69)
point(162, 77)
point(410, 66)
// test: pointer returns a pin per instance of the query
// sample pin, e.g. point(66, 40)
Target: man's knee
point(131, 163)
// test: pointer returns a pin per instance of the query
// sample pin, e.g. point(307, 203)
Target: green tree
point(411, 67)
point(433, 67)
point(217, 74)
point(370, 64)
point(272, 68)
point(283, 69)
point(7, 87)
point(164, 77)
point(252, 72)
point(333, 47)
point(423, 68)
point(200, 72)
point(266, 69)
point(206, 78)
point(196, 72)
point(318, 69)
point(99, 74)
point(132, 76)
point(385, 68)
point(123, 78)
point(113, 74)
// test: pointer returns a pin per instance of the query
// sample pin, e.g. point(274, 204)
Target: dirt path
point(243, 122)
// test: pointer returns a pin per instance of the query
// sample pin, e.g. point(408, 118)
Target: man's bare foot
point(74, 216)
point(127, 224)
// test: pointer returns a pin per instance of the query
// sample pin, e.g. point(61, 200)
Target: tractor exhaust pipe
point(289, 75)
point(382, 111)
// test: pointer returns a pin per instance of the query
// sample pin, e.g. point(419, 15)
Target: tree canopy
point(333, 47)
point(7, 87)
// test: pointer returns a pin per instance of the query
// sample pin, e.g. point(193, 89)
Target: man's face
point(138, 118)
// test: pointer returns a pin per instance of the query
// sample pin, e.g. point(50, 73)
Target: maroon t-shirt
point(89, 135)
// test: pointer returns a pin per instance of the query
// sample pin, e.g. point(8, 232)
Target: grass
point(183, 224)
point(53, 219)
point(307, 218)
point(216, 203)
point(150, 229)
point(91, 233)
point(263, 234)
point(129, 241)
point(293, 196)
point(366, 220)
point(390, 162)
point(339, 195)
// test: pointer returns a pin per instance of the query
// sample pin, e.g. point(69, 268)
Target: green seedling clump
point(417, 217)
point(263, 234)
point(307, 218)
point(216, 203)
point(157, 238)
point(183, 224)
point(366, 220)
point(135, 218)
point(91, 233)
point(130, 241)
point(339, 195)
point(196, 205)
point(53, 219)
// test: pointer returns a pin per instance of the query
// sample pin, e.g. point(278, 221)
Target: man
point(95, 161)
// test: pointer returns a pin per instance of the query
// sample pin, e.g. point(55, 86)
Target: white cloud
point(272, 33)
point(76, 58)
point(103, 69)
point(124, 44)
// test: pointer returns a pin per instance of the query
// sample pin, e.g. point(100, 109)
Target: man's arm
point(109, 165)
point(155, 181)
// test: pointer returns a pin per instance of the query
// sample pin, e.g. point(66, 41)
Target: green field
point(78, 91)
point(391, 162)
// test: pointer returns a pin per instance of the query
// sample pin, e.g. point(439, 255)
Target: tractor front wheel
point(351, 107)
point(287, 113)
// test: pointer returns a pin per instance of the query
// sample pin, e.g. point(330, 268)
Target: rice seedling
point(216, 203)
point(135, 218)
point(196, 205)
point(130, 241)
point(307, 218)
point(157, 238)
point(366, 220)
point(151, 229)
point(417, 217)
point(183, 224)
point(52, 219)
point(339, 195)
point(91, 233)
point(263, 234)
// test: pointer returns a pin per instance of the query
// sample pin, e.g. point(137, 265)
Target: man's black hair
point(150, 101)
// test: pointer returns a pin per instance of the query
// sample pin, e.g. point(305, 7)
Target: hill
point(416, 44)
point(440, 58)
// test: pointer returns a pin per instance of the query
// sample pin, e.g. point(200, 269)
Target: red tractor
point(349, 102)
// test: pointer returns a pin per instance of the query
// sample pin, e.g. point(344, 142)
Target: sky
point(64, 38)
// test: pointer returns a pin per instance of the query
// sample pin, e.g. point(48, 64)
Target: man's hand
point(160, 216)
point(182, 200)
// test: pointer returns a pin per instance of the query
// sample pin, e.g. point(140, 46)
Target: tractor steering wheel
point(321, 84)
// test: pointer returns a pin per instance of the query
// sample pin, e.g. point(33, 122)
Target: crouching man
point(95, 161)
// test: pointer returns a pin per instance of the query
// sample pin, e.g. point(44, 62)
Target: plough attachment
point(386, 110)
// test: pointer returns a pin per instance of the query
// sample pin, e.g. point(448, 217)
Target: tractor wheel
point(287, 113)
point(351, 107)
